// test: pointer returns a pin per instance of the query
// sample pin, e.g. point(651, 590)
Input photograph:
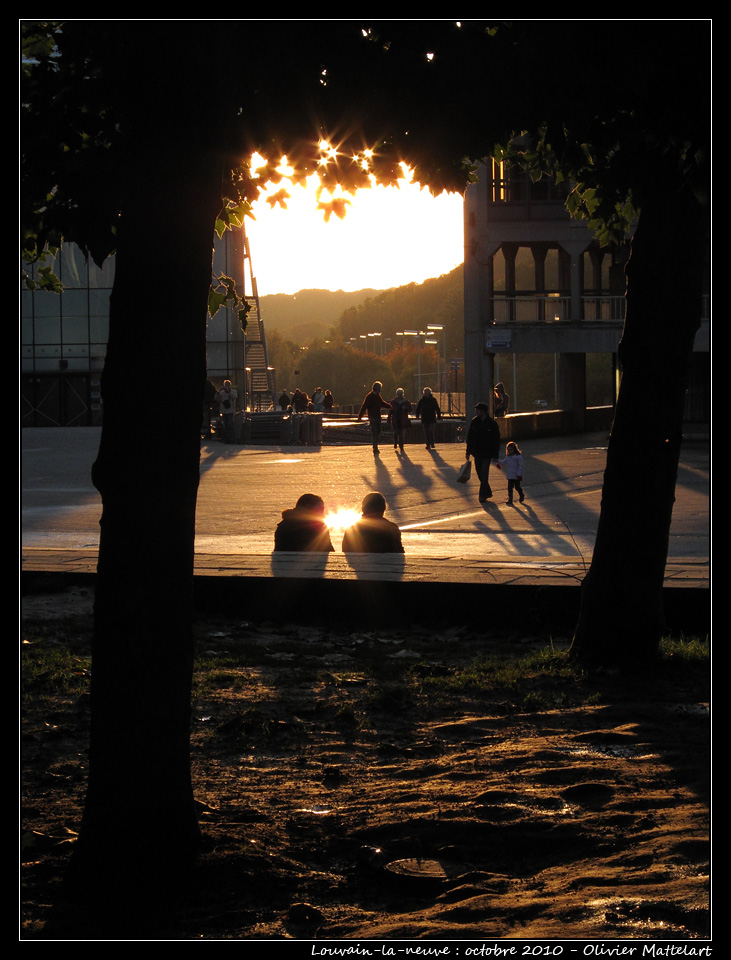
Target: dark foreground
point(393, 784)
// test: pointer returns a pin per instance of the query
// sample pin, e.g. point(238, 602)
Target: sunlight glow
point(378, 238)
point(342, 519)
point(256, 162)
point(285, 168)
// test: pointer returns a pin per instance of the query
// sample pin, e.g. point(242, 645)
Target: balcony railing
point(604, 308)
point(530, 309)
point(555, 309)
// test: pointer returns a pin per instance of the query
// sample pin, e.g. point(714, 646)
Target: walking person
point(483, 443)
point(398, 417)
point(226, 399)
point(512, 466)
point(427, 409)
point(372, 405)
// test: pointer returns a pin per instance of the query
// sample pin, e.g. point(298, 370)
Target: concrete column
point(488, 392)
point(478, 315)
point(572, 366)
point(572, 388)
point(574, 249)
point(577, 286)
point(539, 259)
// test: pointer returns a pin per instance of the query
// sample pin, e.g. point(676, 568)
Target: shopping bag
point(465, 472)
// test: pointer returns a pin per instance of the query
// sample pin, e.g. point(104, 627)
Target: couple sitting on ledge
point(304, 528)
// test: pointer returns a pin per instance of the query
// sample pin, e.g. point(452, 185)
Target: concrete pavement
point(448, 536)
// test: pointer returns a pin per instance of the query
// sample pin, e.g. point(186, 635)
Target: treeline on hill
point(347, 360)
point(309, 314)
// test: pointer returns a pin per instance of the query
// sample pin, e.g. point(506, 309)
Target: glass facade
point(63, 338)
point(67, 331)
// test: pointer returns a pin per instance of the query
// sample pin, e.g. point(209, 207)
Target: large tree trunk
point(140, 801)
point(621, 618)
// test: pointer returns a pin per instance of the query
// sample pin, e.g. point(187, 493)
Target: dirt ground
point(376, 786)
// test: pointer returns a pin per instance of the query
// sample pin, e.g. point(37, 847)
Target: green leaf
point(215, 301)
point(224, 292)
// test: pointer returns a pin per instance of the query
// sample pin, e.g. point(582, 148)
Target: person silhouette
point(303, 527)
point(373, 533)
point(483, 443)
point(372, 405)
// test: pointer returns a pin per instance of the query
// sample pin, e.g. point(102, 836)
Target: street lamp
point(436, 327)
point(376, 334)
point(418, 334)
point(435, 343)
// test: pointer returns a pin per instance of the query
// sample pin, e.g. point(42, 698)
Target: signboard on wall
point(498, 341)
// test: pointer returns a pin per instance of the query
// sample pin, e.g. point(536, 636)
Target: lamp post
point(417, 334)
point(270, 382)
point(437, 327)
point(367, 337)
point(435, 343)
point(376, 334)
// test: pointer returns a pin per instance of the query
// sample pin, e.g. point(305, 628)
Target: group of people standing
point(321, 401)
point(399, 410)
point(223, 402)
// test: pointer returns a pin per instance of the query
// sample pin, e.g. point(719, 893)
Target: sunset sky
point(389, 237)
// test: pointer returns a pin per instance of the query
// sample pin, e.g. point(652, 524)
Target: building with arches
point(537, 282)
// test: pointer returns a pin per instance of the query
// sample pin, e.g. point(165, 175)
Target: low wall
point(553, 423)
point(314, 428)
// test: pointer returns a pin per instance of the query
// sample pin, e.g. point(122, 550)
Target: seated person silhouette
point(373, 533)
point(304, 527)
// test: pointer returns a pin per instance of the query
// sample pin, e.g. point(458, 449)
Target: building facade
point(537, 282)
point(64, 337)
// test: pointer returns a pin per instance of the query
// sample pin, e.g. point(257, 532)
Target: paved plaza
point(446, 532)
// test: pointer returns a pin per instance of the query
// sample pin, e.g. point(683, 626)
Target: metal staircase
point(261, 385)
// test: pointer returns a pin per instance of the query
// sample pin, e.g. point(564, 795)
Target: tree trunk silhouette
point(140, 800)
point(621, 617)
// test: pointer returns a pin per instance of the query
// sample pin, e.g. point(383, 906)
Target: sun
point(342, 519)
point(378, 238)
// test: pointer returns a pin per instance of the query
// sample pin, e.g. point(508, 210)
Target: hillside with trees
point(411, 307)
point(309, 314)
point(345, 359)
